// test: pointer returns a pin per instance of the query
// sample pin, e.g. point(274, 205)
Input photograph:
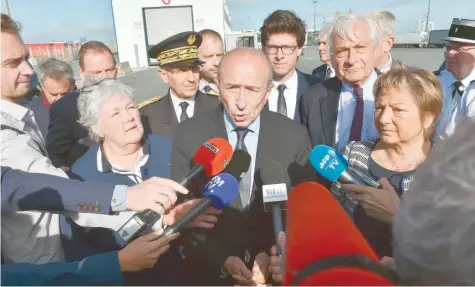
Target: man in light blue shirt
point(236, 250)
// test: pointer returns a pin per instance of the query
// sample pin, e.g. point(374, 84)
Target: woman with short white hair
point(123, 155)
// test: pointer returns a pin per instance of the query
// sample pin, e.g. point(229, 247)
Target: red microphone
point(324, 247)
point(211, 158)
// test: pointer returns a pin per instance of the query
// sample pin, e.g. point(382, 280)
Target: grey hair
point(55, 69)
point(250, 50)
point(386, 22)
point(434, 229)
point(343, 27)
point(93, 96)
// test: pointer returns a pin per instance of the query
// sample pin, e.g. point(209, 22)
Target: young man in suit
point(244, 232)
point(324, 71)
point(283, 37)
point(341, 108)
point(178, 67)
point(56, 79)
point(210, 53)
point(67, 140)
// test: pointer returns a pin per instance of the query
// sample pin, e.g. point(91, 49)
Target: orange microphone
point(324, 247)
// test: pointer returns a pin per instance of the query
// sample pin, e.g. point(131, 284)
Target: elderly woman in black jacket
point(408, 102)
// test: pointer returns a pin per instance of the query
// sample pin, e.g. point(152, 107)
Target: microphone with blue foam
point(334, 167)
point(219, 192)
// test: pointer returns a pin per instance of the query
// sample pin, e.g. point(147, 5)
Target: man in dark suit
point(283, 37)
point(341, 109)
point(244, 232)
point(386, 29)
point(324, 71)
point(182, 73)
point(67, 140)
point(57, 79)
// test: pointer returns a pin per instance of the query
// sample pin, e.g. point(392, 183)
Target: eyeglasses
point(286, 50)
point(88, 87)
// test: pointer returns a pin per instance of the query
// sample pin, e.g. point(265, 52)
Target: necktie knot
point(281, 88)
point(207, 89)
point(358, 91)
point(241, 134)
point(183, 106)
point(459, 88)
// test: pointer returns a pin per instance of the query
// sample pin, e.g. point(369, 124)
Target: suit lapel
point(329, 109)
point(201, 103)
point(169, 115)
point(302, 86)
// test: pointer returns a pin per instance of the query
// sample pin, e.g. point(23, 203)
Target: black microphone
point(219, 191)
point(274, 194)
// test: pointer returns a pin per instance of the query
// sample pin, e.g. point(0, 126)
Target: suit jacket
point(319, 110)
point(23, 191)
point(237, 230)
point(320, 72)
point(67, 140)
point(159, 117)
point(41, 115)
point(100, 269)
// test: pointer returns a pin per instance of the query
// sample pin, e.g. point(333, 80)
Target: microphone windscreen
point(274, 173)
point(214, 155)
point(221, 189)
point(319, 228)
point(239, 165)
point(327, 162)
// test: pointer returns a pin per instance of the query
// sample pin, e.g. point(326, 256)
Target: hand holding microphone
point(380, 203)
point(276, 267)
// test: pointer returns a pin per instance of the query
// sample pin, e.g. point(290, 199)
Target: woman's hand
point(381, 203)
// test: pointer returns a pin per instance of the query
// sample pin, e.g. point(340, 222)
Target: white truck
point(245, 38)
point(435, 38)
point(411, 40)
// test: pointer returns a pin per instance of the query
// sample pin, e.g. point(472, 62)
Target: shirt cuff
point(118, 198)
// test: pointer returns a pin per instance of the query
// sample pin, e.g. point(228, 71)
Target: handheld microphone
point(210, 159)
point(218, 192)
point(334, 167)
point(324, 247)
point(274, 194)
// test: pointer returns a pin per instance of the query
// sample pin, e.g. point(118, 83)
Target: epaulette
point(149, 101)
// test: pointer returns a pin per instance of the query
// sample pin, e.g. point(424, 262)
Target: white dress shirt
point(388, 65)
point(203, 84)
point(176, 105)
point(346, 112)
point(33, 236)
point(330, 72)
point(290, 95)
point(456, 109)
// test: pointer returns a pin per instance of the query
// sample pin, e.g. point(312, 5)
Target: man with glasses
point(283, 37)
point(459, 104)
point(67, 140)
point(179, 67)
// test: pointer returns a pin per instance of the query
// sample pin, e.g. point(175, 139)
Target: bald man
point(237, 246)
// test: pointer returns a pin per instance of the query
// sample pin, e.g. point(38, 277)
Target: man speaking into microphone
point(235, 251)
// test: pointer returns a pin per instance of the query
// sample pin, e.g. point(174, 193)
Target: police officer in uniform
point(179, 67)
point(458, 79)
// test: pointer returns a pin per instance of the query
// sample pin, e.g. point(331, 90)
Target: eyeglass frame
point(281, 48)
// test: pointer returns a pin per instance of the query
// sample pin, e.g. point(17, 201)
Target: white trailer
point(411, 40)
point(140, 24)
point(246, 38)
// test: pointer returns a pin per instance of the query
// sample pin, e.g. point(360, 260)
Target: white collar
point(176, 100)
point(15, 110)
point(368, 85)
point(292, 83)
point(388, 65)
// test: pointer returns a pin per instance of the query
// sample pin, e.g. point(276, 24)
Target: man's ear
point(299, 51)
point(163, 74)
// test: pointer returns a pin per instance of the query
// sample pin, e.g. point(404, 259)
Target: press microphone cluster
point(219, 192)
point(324, 247)
point(334, 167)
point(274, 194)
point(211, 158)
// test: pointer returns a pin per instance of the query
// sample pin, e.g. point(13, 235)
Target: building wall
point(129, 24)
